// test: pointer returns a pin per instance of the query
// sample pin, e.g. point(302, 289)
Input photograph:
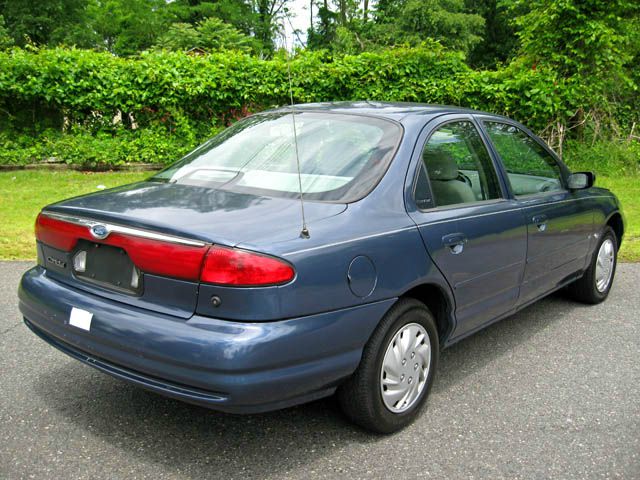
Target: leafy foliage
point(124, 27)
point(41, 22)
point(396, 23)
point(443, 20)
point(5, 39)
point(614, 158)
point(209, 35)
point(591, 46)
point(180, 37)
point(499, 42)
point(578, 37)
point(155, 107)
point(239, 14)
point(127, 27)
point(566, 68)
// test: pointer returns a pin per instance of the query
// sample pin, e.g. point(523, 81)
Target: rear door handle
point(540, 221)
point(455, 242)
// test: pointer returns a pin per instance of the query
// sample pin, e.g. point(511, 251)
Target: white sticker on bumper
point(80, 318)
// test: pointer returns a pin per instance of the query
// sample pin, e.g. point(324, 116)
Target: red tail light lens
point(229, 266)
point(209, 264)
point(161, 258)
point(151, 256)
point(59, 234)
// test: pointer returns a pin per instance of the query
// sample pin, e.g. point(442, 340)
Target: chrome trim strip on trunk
point(113, 227)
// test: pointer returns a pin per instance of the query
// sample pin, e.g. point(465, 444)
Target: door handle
point(455, 242)
point(540, 222)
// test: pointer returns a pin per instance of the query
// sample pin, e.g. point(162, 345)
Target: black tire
point(360, 396)
point(584, 289)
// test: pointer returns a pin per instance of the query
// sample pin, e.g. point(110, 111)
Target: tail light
point(59, 234)
point(205, 263)
point(149, 255)
point(229, 266)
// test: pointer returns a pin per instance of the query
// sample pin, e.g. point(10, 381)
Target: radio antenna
point(304, 233)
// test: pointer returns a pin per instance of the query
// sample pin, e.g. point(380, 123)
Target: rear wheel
point(392, 382)
point(595, 284)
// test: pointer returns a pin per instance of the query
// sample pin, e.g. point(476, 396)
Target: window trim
point(457, 206)
point(563, 169)
point(470, 119)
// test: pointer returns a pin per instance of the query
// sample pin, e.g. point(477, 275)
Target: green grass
point(627, 189)
point(24, 193)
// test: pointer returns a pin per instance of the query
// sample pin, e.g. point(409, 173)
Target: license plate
point(109, 267)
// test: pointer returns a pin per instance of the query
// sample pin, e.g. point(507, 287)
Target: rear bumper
point(240, 367)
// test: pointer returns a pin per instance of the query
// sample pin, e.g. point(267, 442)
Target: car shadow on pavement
point(474, 352)
point(196, 442)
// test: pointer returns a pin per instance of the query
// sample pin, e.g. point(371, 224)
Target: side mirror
point(581, 180)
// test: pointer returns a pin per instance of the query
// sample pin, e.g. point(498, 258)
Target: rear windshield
point(342, 157)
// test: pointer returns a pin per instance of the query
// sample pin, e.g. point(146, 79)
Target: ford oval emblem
point(99, 231)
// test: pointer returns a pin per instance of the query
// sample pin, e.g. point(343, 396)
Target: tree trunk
point(343, 12)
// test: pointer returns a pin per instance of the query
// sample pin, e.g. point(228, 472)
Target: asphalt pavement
point(552, 392)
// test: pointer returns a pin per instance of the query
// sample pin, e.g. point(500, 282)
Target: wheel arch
point(617, 225)
point(440, 305)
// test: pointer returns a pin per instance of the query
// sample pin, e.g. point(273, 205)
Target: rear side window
point(459, 167)
point(530, 168)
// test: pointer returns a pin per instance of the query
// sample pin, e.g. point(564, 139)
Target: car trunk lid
point(159, 233)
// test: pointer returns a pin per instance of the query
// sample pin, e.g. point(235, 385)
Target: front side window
point(530, 168)
point(341, 157)
point(459, 167)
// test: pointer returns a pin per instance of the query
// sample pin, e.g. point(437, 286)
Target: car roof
point(392, 110)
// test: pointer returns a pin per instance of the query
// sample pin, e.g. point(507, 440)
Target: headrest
point(440, 165)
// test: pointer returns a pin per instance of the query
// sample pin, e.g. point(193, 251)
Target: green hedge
point(62, 102)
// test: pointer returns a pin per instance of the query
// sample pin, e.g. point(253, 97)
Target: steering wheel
point(547, 186)
point(463, 178)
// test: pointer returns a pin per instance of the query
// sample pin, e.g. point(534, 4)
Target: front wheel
point(595, 284)
point(391, 384)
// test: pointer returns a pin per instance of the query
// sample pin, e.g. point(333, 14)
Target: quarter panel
point(376, 227)
point(397, 254)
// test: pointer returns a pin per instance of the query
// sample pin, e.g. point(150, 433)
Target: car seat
point(447, 188)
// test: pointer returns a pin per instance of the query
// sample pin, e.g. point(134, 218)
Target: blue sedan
point(319, 249)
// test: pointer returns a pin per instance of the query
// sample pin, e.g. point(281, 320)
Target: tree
point(179, 36)
point(591, 46)
point(590, 38)
point(211, 34)
point(322, 35)
point(237, 13)
point(5, 39)
point(256, 18)
point(42, 22)
point(442, 20)
point(397, 22)
point(217, 35)
point(268, 14)
point(499, 41)
point(126, 27)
